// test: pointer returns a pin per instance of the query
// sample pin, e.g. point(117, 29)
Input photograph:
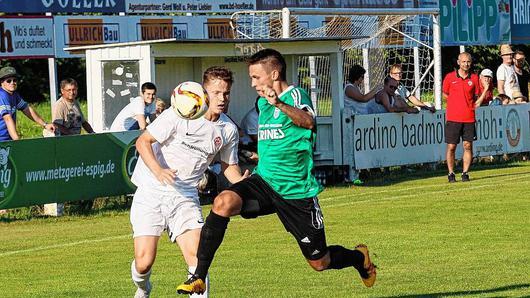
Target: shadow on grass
point(498, 290)
point(410, 173)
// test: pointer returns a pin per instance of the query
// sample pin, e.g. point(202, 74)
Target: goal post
point(372, 38)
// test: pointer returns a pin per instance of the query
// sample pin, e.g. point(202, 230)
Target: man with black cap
point(10, 102)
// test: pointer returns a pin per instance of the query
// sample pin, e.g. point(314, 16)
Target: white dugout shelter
point(115, 73)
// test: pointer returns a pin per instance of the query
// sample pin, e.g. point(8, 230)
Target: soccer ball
point(189, 100)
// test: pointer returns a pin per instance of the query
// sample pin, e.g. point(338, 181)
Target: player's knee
point(226, 204)
point(142, 265)
point(319, 265)
point(468, 146)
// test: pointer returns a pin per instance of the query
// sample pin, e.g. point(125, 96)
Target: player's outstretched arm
point(233, 172)
point(143, 145)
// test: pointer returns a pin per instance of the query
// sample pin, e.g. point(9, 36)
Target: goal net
point(373, 41)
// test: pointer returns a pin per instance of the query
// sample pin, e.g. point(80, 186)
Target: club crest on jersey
point(276, 113)
point(469, 83)
point(217, 142)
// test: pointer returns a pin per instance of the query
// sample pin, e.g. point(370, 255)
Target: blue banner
point(520, 21)
point(62, 6)
point(475, 22)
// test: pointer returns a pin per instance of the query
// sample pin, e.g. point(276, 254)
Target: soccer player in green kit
point(282, 183)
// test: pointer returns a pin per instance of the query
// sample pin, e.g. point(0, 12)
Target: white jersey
point(507, 74)
point(187, 146)
point(125, 119)
point(358, 107)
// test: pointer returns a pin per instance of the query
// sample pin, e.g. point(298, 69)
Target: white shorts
point(152, 213)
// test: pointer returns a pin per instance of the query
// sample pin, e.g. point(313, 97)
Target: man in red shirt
point(460, 89)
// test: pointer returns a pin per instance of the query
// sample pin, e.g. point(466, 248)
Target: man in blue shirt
point(10, 102)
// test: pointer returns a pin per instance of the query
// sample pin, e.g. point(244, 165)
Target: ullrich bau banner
point(475, 22)
point(39, 171)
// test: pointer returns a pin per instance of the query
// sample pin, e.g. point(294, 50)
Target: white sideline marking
point(14, 252)
point(428, 193)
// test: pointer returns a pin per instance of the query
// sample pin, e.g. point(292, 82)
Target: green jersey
point(286, 150)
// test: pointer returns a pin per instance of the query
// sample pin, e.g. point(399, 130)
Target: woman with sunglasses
point(10, 102)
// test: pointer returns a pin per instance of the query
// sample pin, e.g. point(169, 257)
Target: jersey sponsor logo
point(276, 113)
point(271, 134)
point(193, 147)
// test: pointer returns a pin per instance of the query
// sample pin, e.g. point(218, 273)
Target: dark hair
point(148, 85)
point(272, 59)
point(68, 81)
point(218, 72)
point(519, 52)
point(356, 72)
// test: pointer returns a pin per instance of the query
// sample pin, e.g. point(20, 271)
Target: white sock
point(191, 269)
point(140, 280)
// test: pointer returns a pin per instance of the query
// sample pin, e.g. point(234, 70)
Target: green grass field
point(428, 238)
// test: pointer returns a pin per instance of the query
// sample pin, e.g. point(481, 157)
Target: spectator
point(485, 88)
point(67, 115)
point(10, 102)
point(160, 106)
point(506, 78)
point(505, 99)
point(460, 89)
point(248, 143)
point(133, 116)
point(355, 99)
point(523, 76)
point(396, 72)
point(386, 100)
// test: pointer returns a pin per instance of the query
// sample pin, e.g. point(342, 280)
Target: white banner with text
point(381, 140)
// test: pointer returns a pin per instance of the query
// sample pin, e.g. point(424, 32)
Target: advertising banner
point(202, 6)
point(381, 140)
point(474, 22)
point(491, 140)
point(26, 37)
point(520, 21)
point(62, 6)
point(517, 128)
point(66, 168)
point(279, 4)
point(82, 31)
point(160, 28)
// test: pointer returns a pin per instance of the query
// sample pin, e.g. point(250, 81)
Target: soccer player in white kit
point(174, 153)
